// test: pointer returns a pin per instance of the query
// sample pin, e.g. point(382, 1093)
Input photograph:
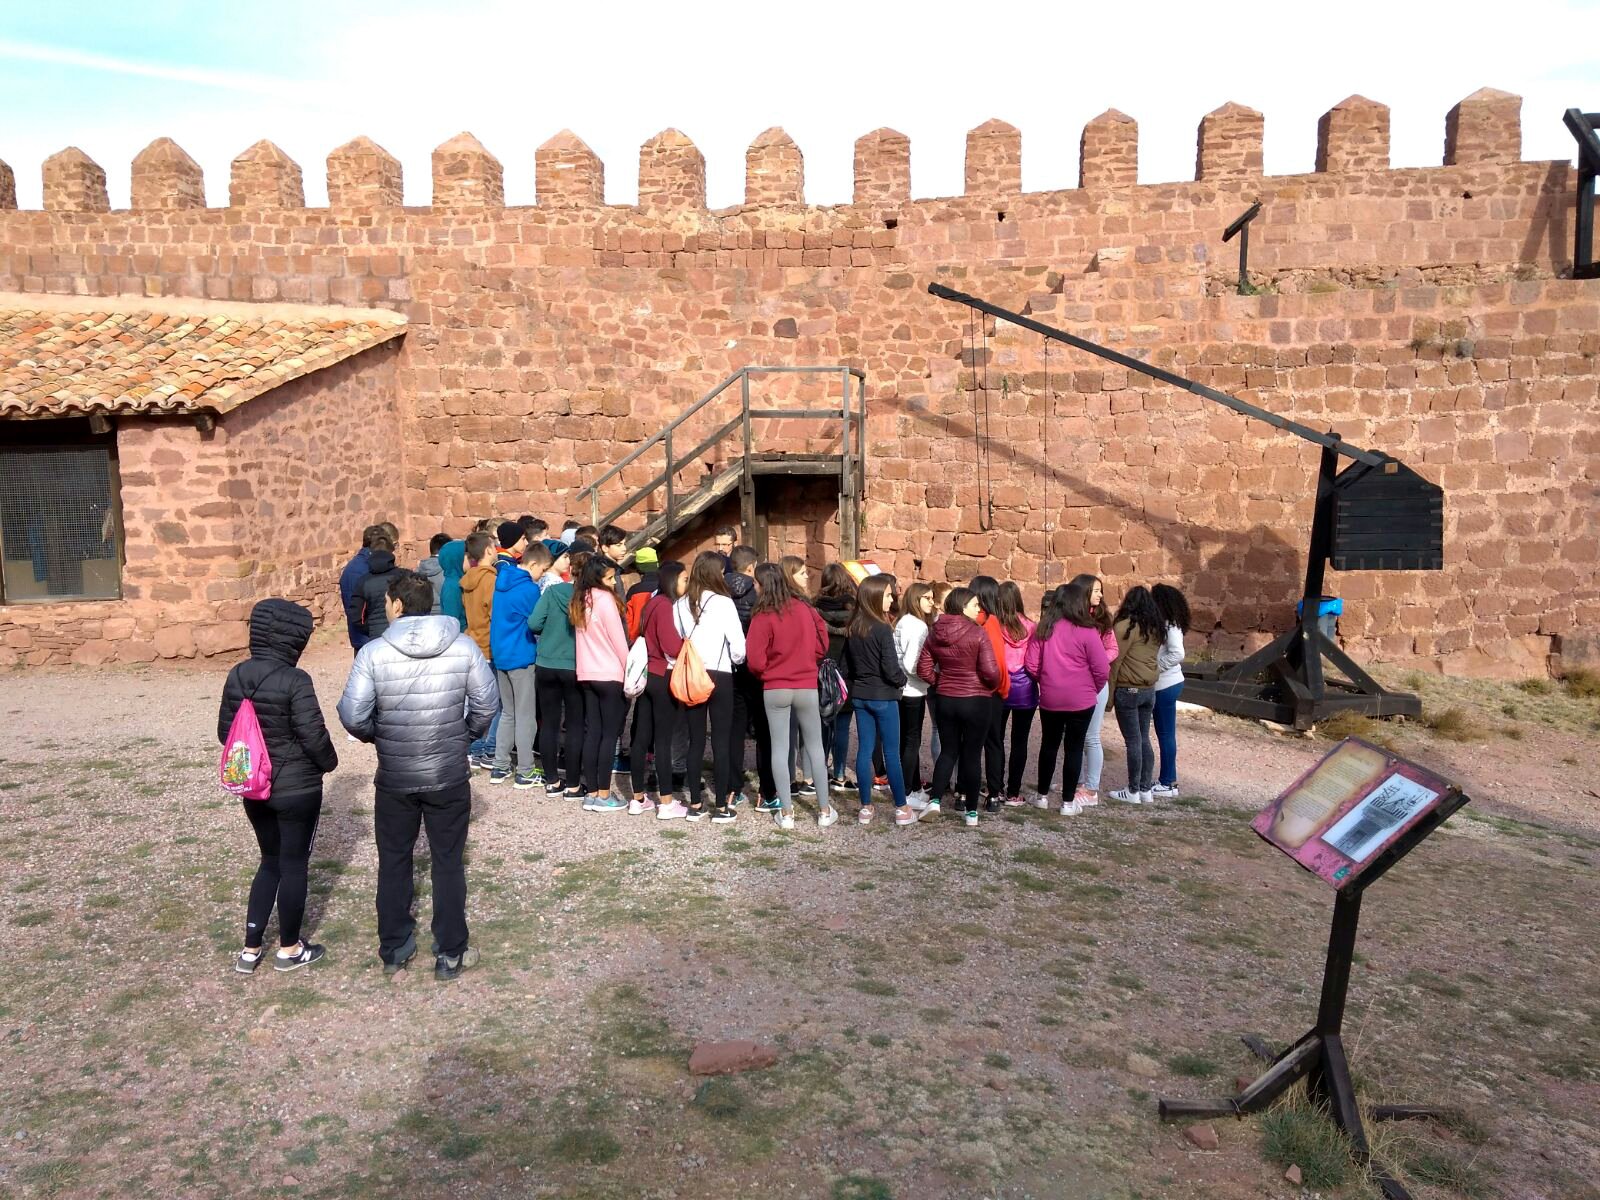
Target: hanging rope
point(1049, 467)
point(986, 467)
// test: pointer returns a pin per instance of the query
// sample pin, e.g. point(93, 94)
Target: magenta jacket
point(1071, 667)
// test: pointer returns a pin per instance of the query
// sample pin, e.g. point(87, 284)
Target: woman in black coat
point(302, 753)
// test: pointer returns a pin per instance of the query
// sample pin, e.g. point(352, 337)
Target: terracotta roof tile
point(61, 359)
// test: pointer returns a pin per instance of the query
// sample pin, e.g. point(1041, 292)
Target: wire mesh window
point(60, 527)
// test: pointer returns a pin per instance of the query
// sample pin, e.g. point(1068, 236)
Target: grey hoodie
point(421, 692)
point(430, 570)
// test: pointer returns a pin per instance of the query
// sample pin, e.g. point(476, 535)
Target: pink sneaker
point(1085, 797)
point(865, 816)
point(1013, 801)
point(671, 811)
point(638, 807)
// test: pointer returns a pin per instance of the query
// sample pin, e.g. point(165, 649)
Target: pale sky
point(110, 77)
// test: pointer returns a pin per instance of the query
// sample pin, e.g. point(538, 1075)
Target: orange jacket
point(992, 627)
point(477, 597)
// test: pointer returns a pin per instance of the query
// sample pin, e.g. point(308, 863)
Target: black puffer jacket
point(285, 700)
point(370, 613)
point(743, 590)
point(836, 612)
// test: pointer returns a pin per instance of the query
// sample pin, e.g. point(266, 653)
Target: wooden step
point(689, 508)
point(796, 464)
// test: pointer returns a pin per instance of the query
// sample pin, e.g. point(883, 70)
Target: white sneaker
point(785, 821)
point(932, 810)
point(1071, 808)
point(638, 807)
point(1162, 792)
point(1125, 796)
point(826, 817)
point(1038, 801)
point(672, 810)
point(918, 800)
point(971, 818)
point(1147, 798)
point(1087, 797)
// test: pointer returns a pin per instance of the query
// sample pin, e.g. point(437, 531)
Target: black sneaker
point(695, 813)
point(805, 788)
point(249, 960)
point(991, 805)
point(446, 968)
point(308, 954)
point(722, 814)
point(402, 957)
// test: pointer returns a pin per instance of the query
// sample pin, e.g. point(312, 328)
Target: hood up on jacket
point(739, 585)
point(453, 559)
point(422, 637)
point(280, 630)
point(381, 562)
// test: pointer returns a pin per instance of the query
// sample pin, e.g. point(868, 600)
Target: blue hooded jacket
point(453, 562)
point(350, 580)
point(511, 642)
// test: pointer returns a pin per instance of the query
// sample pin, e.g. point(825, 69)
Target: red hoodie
point(662, 641)
point(784, 648)
point(997, 633)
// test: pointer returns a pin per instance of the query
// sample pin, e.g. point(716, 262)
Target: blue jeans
point(836, 738)
point(1166, 722)
point(484, 746)
point(878, 721)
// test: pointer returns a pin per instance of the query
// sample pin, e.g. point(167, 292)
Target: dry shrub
point(1452, 724)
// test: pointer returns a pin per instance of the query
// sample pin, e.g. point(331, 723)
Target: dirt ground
point(960, 1013)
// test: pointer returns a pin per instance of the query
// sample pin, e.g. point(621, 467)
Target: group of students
point(521, 655)
point(552, 617)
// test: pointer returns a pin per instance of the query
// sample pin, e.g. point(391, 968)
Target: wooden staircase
point(726, 470)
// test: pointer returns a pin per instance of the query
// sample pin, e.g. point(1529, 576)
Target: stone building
point(164, 464)
point(1426, 312)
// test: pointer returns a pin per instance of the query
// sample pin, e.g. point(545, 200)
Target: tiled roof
point(61, 357)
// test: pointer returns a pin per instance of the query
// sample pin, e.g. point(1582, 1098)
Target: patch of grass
point(936, 1015)
point(1442, 1167)
point(1029, 882)
point(1353, 724)
point(1582, 683)
point(585, 1144)
point(292, 1002)
point(674, 835)
point(1126, 981)
point(1196, 1066)
point(1511, 732)
point(860, 1187)
point(874, 987)
point(1438, 985)
point(1452, 724)
point(943, 956)
point(879, 1041)
point(1036, 856)
point(997, 1061)
point(721, 1099)
point(105, 900)
point(32, 917)
point(629, 1029)
point(1533, 687)
point(460, 1146)
point(50, 1178)
point(1296, 1134)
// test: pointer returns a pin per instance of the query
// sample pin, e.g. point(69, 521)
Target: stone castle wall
point(1419, 311)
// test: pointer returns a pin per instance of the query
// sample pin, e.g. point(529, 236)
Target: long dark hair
point(869, 605)
point(773, 590)
point(836, 583)
point(1141, 614)
point(1099, 614)
point(911, 603)
point(705, 577)
point(1070, 603)
point(1010, 611)
point(791, 565)
point(987, 589)
point(1174, 609)
point(592, 579)
point(668, 574)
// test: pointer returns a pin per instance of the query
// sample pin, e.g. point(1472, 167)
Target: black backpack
point(832, 691)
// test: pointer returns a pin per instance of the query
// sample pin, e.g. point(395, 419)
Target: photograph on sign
point(1336, 817)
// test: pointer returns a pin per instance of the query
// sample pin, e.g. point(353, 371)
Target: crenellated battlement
point(1352, 138)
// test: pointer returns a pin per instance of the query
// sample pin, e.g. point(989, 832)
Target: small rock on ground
point(1293, 1175)
point(726, 1058)
point(1203, 1137)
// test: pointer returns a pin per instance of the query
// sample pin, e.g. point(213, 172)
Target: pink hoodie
point(602, 643)
point(1016, 650)
point(1071, 667)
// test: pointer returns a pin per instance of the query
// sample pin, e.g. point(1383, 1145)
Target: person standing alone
point(421, 693)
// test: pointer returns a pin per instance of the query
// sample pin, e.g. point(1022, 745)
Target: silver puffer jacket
point(422, 692)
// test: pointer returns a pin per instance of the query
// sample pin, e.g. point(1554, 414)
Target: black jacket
point(370, 613)
point(836, 612)
point(285, 700)
point(743, 590)
point(872, 665)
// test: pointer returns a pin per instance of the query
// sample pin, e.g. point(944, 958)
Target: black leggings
point(655, 720)
point(559, 700)
point(1054, 728)
point(719, 711)
point(1021, 726)
point(994, 747)
point(964, 723)
point(605, 710)
point(912, 710)
point(286, 830)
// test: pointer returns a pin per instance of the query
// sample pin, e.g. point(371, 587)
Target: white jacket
point(718, 636)
point(1169, 659)
point(909, 634)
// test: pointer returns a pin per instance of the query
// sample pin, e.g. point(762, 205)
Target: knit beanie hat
point(509, 533)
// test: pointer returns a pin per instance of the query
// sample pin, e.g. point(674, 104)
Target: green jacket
point(1135, 664)
point(558, 646)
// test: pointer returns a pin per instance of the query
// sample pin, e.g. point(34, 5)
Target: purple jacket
point(1071, 667)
